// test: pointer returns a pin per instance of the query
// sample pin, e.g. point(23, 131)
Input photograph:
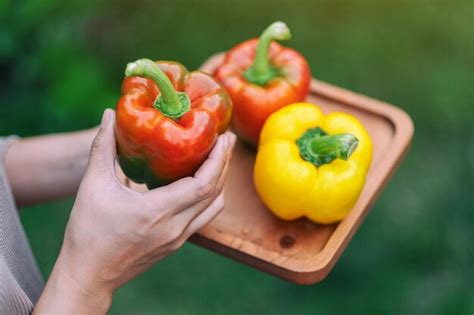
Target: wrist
point(68, 292)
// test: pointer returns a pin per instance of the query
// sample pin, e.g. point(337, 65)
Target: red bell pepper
point(262, 76)
point(167, 121)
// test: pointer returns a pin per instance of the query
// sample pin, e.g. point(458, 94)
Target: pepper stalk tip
point(140, 67)
point(279, 30)
point(130, 68)
point(349, 145)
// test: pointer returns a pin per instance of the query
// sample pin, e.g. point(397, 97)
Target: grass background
point(61, 64)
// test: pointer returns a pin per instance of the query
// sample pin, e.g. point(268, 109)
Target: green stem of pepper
point(171, 103)
point(320, 148)
point(261, 71)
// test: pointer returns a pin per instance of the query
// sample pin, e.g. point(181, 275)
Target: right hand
point(115, 233)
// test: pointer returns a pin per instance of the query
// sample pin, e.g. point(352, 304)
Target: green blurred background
point(61, 64)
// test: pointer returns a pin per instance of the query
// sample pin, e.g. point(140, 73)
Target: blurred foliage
point(62, 63)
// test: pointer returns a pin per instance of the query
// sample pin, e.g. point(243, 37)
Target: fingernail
point(106, 117)
point(232, 139)
point(225, 143)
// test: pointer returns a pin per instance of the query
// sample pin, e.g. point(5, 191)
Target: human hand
point(115, 233)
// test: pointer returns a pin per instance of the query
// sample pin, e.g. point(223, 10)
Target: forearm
point(48, 167)
point(64, 295)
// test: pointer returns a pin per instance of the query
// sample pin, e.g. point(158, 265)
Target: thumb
point(103, 151)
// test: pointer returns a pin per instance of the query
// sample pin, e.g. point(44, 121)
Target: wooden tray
point(301, 251)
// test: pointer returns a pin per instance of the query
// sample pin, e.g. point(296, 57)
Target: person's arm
point(48, 167)
point(114, 233)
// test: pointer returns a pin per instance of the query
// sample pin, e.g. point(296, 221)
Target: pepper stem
point(319, 148)
point(170, 102)
point(261, 71)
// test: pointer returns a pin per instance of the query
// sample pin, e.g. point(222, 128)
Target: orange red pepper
point(168, 120)
point(262, 76)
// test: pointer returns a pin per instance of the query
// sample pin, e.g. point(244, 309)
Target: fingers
point(167, 230)
point(178, 221)
point(174, 231)
point(207, 172)
point(103, 151)
point(188, 191)
point(205, 217)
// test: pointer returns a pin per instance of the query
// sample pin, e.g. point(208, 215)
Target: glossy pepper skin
point(155, 146)
point(299, 172)
point(262, 76)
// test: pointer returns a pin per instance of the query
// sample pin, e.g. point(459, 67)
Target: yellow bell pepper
point(312, 165)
